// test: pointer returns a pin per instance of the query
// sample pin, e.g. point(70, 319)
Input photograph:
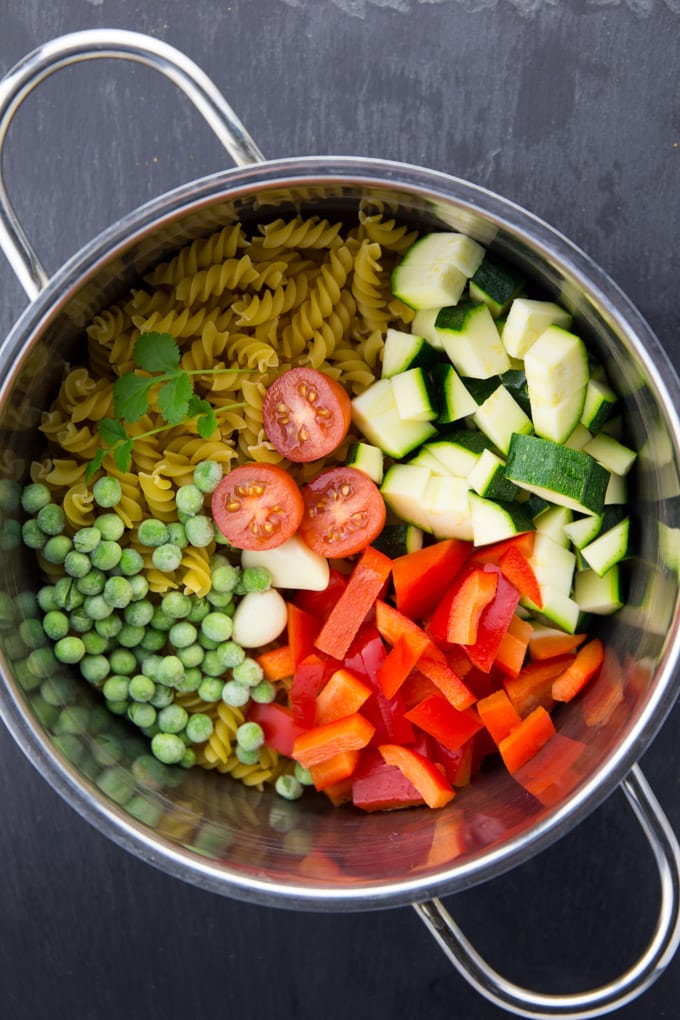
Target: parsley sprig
point(158, 355)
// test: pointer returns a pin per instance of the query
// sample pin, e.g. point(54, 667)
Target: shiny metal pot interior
point(215, 833)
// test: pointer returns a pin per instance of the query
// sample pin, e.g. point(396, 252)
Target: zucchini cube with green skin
point(495, 285)
point(446, 503)
point(375, 414)
point(613, 455)
point(553, 522)
point(454, 400)
point(423, 325)
point(525, 322)
point(413, 395)
point(435, 270)
point(488, 479)
point(403, 491)
point(557, 374)
point(578, 438)
point(583, 530)
point(494, 521)
point(599, 406)
point(368, 459)
point(403, 351)
point(471, 339)
point(460, 451)
point(500, 417)
point(600, 595)
point(608, 549)
point(557, 473)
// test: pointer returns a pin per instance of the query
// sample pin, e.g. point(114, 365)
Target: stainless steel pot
point(305, 855)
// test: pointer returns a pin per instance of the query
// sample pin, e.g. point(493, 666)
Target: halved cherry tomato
point(257, 506)
point(343, 512)
point(306, 414)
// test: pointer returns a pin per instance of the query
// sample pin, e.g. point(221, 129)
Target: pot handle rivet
point(74, 48)
point(608, 997)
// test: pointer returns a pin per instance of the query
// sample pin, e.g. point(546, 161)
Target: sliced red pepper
point(339, 793)
point(320, 603)
point(498, 715)
point(436, 668)
point(457, 764)
point(421, 578)
point(377, 786)
point(494, 621)
point(456, 618)
point(365, 657)
point(334, 770)
point(277, 663)
point(577, 674)
point(435, 790)
point(400, 661)
point(323, 742)
point(363, 587)
point(279, 727)
point(547, 642)
point(533, 684)
point(436, 716)
point(512, 651)
point(525, 740)
point(520, 573)
point(303, 629)
point(492, 553)
point(343, 694)
point(392, 624)
point(310, 676)
point(415, 687)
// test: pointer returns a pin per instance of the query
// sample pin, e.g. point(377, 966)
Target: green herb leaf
point(95, 464)
point(112, 431)
point(122, 456)
point(131, 396)
point(206, 419)
point(156, 352)
point(174, 397)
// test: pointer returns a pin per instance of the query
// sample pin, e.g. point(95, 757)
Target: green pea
point(149, 771)
point(131, 562)
point(116, 688)
point(208, 475)
point(51, 519)
point(256, 579)
point(166, 557)
point(139, 587)
point(80, 621)
point(303, 775)
point(109, 627)
point(191, 655)
point(168, 748)
point(188, 759)
point(77, 564)
point(154, 640)
point(107, 491)
point(86, 539)
point(114, 783)
point(10, 495)
point(248, 672)
point(200, 607)
point(183, 634)
point(142, 714)
point(34, 497)
point(110, 526)
point(46, 598)
point(106, 749)
point(221, 600)
point(211, 689)
point(250, 736)
point(162, 696)
point(161, 620)
point(32, 535)
point(123, 661)
point(69, 649)
point(212, 664)
point(145, 811)
point(175, 605)
point(92, 584)
point(57, 548)
point(117, 592)
point(199, 531)
point(199, 727)
point(141, 688)
point(193, 678)
point(263, 693)
point(73, 719)
point(96, 607)
point(139, 614)
point(189, 499)
point(118, 707)
point(224, 577)
point(235, 695)
point(27, 604)
point(172, 719)
point(130, 636)
point(207, 643)
point(217, 627)
point(177, 535)
point(170, 671)
point(247, 757)
point(106, 555)
point(95, 644)
point(94, 668)
point(289, 787)
point(152, 532)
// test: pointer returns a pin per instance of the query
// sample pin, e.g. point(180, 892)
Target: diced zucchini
point(423, 324)
point(413, 395)
point(471, 339)
point(609, 548)
point(558, 609)
point(488, 479)
point(435, 270)
point(500, 417)
point(495, 284)
point(578, 438)
point(556, 368)
point(480, 389)
point(403, 490)
point(583, 530)
point(617, 458)
point(600, 404)
point(375, 413)
point(493, 521)
point(403, 351)
point(454, 400)
point(368, 459)
point(553, 564)
point(553, 522)
point(424, 458)
point(568, 477)
point(598, 595)
point(526, 321)
point(460, 451)
point(617, 491)
point(446, 504)
point(399, 539)
point(515, 381)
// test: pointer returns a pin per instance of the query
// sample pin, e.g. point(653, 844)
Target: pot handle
point(20, 81)
point(623, 989)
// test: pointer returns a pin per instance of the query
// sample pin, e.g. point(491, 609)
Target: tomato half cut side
point(257, 506)
point(306, 414)
point(343, 512)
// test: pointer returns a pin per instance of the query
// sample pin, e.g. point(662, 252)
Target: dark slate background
point(572, 110)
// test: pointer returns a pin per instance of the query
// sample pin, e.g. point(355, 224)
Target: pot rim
point(615, 307)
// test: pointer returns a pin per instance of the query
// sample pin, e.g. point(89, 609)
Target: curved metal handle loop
point(88, 45)
point(525, 1002)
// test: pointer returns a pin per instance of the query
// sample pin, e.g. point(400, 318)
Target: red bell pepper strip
point(377, 786)
point(436, 716)
point(437, 669)
point(343, 694)
point(519, 572)
point(278, 725)
point(277, 663)
point(339, 793)
point(400, 661)
point(303, 629)
point(533, 684)
point(456, 618)
point(324, 742)
point(498, 715)
point(420, 578)
point(365, 658)
point(393, 624)
point(492, 553)
point(320, 603)
point(363, 587)
point(494, 621)
point(415, 687)
point(310, 676)
point(456, 764)
point(577, 674)
point(334, 770)
point(511, 654)
point(435, 790)
point(525, 740)
point(547, 642)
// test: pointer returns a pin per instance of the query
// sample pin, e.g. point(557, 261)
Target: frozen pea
point(142, 714)
point(162, 696)
point(92, 584)
point(289, 787)
point(188, 759)
point(250, 736)
point(200, 607)
point(95, 644)
point(208, 475)
point(46, 599)
point(141, 688)
point(177, 535)
point(212, 664)
point(248, 672)
point(161, 620)
point(199, 531)
point(109, 627)
point(86, 539)
point(166, 557)
point(130, 636)
point(107, 491)
point(80, 621)
point(110, 526)
point(77, 564)
point(303, 775)
point(51, 519)
point(131, 562)
point(32, 633)
point(66, 595)
point(235, 695)
point(211, 689)
point(153, 640)
point(222, 600)
point(172, 719)
point(224, 577)
point(57, 548)
point(191, 655)
point(117, 592)
point(176, 605)
point(170, 671)
point(115, 688)
point(168, 748)
point(106, 555)
point(263, 692)
point(152, 532)
point(32, 535)
point(183, 634)
point(94, 668)
point(96, 607)
point(232, 654)
point(139, 614)
point(207, 643)
point(256, 579)
point(189, 499)
point(117, 707)
point(193, 678)
point(69, 649)
point(149, 665)
point(199, 727)
point(123, 661)
point(139, 586)
point(34, 497)
point(247, 757)
point(217, 626)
